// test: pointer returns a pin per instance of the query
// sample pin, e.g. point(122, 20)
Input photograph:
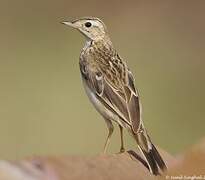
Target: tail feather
point(158, 158)
point(154, 160)
point(150, 161)
point(151, 154)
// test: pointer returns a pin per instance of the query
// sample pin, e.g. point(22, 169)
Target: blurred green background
point(43, 107)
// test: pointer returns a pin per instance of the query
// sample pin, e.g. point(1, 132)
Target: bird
point(109, 85)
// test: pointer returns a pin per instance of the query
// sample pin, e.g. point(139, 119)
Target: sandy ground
point(190, 164)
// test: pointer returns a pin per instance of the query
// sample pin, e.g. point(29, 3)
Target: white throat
point(87, 44)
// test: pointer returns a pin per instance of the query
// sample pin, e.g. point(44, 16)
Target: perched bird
point(110, 87)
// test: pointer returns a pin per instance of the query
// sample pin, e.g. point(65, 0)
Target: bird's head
point(92, 28)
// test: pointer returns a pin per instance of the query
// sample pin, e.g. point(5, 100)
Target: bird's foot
point(122, 150)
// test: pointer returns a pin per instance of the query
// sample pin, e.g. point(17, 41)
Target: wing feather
point(124, 101)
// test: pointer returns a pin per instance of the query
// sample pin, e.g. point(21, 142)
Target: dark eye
point(88, 24)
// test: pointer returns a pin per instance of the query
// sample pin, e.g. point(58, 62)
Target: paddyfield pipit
point(110, 87)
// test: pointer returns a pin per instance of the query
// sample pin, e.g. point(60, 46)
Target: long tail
point(151, 155)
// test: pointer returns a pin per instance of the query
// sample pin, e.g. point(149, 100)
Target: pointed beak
point(69, 24)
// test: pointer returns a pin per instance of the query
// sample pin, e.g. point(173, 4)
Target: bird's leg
point(122, 149)
point(110, 131)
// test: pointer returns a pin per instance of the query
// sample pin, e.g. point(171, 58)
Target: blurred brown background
point(43, 108)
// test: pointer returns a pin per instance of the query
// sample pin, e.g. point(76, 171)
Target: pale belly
point(106, 113)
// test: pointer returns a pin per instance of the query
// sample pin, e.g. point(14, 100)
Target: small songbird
point(110, 87)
